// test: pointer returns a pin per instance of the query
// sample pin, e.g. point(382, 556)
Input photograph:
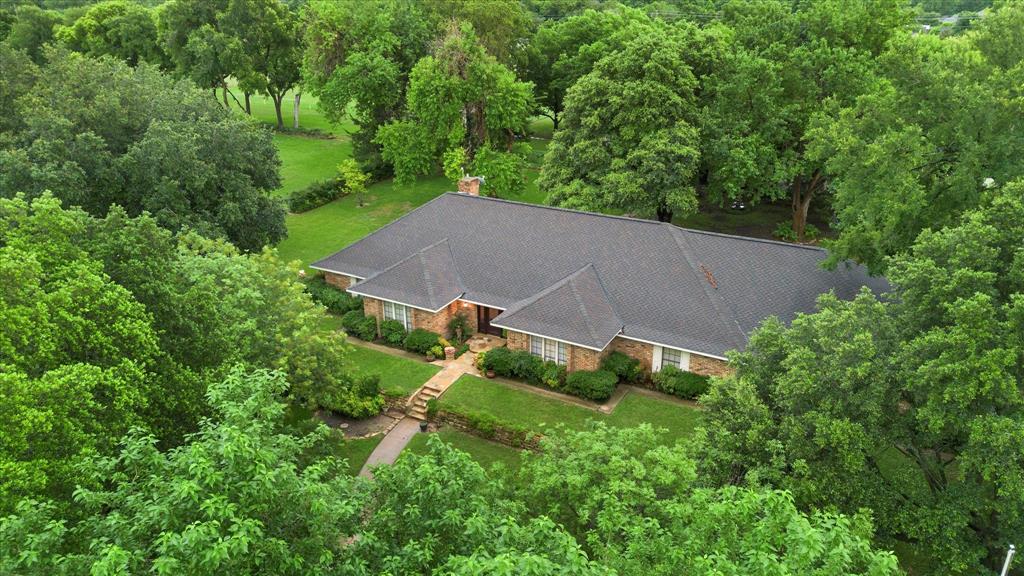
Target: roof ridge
point(749, 238)
point(724, 310)
point(579, 301)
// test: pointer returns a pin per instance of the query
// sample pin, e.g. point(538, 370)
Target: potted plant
point(430, 355)
point(489, 373)
point(423, 425)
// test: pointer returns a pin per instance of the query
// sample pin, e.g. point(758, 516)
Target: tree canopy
point(97, 132)
point(117, 28)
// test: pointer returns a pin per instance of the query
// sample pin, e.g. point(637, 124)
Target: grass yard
point(537, 412)
point(485, 452)
point(356, 450)
point(305, 159)
point(398, 376)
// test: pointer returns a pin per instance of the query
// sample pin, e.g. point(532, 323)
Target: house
point(572, 286)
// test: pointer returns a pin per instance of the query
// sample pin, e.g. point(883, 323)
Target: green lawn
point(485, 452)
point(537, 412)
point(306, 159)
point(356, 450)
point(398, 376)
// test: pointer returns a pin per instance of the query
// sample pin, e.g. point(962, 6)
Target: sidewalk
point(391, 446)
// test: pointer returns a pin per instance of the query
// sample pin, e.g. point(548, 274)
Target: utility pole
point(1009, 558)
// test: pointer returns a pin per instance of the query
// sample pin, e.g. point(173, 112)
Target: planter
point(449, 353)
point(423, 426)
point(490, 373)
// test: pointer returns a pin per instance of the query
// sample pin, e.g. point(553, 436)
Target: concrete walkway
point(391, 446)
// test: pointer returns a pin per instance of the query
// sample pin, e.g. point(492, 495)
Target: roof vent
point(470, 185)
point(709, 276)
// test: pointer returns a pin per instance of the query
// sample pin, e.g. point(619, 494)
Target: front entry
point(484, 315)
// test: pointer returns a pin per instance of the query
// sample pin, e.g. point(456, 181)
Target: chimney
point(470, 185)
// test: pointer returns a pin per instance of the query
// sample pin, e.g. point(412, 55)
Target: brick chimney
point(470, 185)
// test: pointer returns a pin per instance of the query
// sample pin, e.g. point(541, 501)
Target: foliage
point(628, 139)
point(903, 406)
point(98, 132)
point(919, 149)
point(366, 329)
point(117, 28)
point(354, 178)
point(432, 407)
point(672, 380)
point(784, 231)
point(420, 340)
point(31, 29)
point(593, 385)
point(458, 328)
point(335, 300)
point(459, 97)
point(502, 171)
point(625, 368)
point(436, 351)
point(316, 195)
point(393, 332)
point(352, 319)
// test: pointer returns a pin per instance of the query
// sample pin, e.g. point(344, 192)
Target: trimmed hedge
point(672, 380)
point(359, 325)
point(597, 385)
point(421, 341)
point(316, 195)
point(336, 300)
point(393, 332)
point(625, 368)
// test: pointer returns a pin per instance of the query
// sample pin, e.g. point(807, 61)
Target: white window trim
point(405, 315)
point(658, 360)
point(558, 345)
point(656, 344)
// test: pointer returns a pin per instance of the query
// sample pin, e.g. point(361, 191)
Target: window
point(548, 349)
point(398, 312)
point(671, 356)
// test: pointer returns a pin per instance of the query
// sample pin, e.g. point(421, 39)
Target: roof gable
point(428, 279)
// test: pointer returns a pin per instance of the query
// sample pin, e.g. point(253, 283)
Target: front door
point(484, 315)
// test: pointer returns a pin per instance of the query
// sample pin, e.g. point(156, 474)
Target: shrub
point(437, 351)
point(353, 405)
point(315, 195)
point(499, 360)
point(625, 368)
point(431, 407)
point(336, 300)
point(351, 320)
point(421, 341)
point(367, 329)
point(553, 375)
point(462, 349)
point(367, 385)
point(784, 231)
point(672, 380)
point(485, 425)
point(481, 361)
point(392, 332)
point(458, 328)
point(597, 385)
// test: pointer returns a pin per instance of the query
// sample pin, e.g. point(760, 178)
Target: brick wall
point(518, 341)
point(709, 366)
point(582, 358)
point(639, 350)
point(339, 281)
point(372, 307)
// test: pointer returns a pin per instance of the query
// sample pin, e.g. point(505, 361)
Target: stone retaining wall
point(508, 437)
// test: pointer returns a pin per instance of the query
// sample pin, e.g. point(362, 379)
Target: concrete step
point(430, 393)
point(418, 414)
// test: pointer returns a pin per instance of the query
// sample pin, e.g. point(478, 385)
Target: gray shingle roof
point(427, 279)
point(575, 309)
point(688, 289)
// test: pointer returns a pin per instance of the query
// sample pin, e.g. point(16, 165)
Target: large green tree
point(461, 101)
point(788, 64)
point(98, 132)
point(357, 61)
point(920, 148)
point(117, 28)
point(32, 28)
point(908, 406)
point(629, 137)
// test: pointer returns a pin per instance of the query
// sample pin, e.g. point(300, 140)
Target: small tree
point(355, 179)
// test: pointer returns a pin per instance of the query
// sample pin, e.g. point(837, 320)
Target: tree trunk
point(248, 108)
point(554, 121)
point(277, 108)
point(224, 93)
point(803, 192)
point(664, 214)
point(295, 110)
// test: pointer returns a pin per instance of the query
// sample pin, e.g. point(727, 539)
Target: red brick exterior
point(518, 341)
point(435, 322)
point(641, 351)
point(339, 281)
point(709, 366)
point(470, 185)
point(372, 307)
point(576, 357)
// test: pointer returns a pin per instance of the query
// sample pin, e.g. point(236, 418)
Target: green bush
point(462, 349)
point(672, 380)
point(367, 329)
point(336, 300)
point(432, 407)
point(315, 195)
point(518, 364)
point(625, 368)
point(367, 385)
point(437, 351)
point(553, 375)
point(351, 404)
point(392, 332)
point(458, 328)
point(597, 385)
point(351, 320)
point(421, 341)
point(784, 231)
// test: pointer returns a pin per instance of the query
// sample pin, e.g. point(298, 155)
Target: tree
point(32, 29)
point(905, 406)
point(916, 151)
point(117, 28)
point(502, 26)
point(18, 74)
point(789, 64)
point(269, 37)
point(158, 146)
point(355, 179)
point(357, 61)
point(564, 50)
point(459, 98)
point(628, 139)
point(193, 37)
